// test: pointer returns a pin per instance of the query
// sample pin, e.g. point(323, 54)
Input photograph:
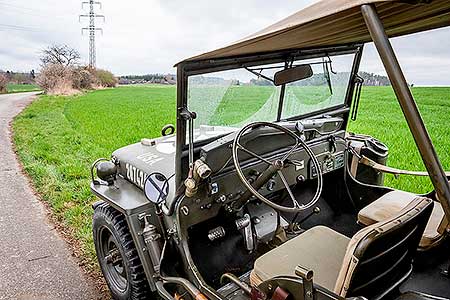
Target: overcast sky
point(149, 36)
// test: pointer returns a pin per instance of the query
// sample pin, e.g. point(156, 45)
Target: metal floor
point(427, 274)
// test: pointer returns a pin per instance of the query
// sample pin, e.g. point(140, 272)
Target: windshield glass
point(225, 101)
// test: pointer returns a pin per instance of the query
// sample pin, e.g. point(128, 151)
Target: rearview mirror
point(292, 74)
point(156, 188)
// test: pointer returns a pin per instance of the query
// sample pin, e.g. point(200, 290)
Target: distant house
point(149, 78)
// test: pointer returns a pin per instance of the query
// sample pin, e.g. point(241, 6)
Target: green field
point(380, 116)
point(19, 88)
point(57, 139)
point(231, 111)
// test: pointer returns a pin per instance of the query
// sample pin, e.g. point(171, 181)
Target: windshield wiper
point(326, 73)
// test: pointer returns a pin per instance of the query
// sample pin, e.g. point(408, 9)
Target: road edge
point(64, 231)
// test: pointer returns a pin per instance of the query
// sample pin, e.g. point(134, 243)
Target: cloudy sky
point(149, 36)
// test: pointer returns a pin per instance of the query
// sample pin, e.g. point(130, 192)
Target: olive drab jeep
point(260, 192)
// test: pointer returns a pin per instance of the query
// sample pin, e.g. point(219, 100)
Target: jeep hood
point(137, 161)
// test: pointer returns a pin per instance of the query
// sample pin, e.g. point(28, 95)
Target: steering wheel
point(276, 166)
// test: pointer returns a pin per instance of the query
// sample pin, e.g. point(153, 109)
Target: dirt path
point(35, 262)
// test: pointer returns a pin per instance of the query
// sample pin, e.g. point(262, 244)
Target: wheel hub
point(115, 269)
point(113, 257)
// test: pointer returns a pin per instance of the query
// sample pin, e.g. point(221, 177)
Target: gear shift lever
point(315, 211)
point(295, 226)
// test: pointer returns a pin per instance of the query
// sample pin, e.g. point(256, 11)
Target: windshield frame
point(187, 69)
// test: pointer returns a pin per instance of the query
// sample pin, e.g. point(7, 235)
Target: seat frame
point(378, 258)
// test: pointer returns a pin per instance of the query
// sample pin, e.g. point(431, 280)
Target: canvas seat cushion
point(391, 203)
point(319, 248)
point(334, 257)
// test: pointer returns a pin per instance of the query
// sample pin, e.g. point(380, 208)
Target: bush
point(56, 79)
point(82, 78)
point(3, 83)
point(106, 78)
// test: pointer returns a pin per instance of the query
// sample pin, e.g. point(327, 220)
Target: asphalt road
point(35, 262)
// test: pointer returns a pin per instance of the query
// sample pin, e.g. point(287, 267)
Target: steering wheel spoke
point(288, 188)
point(289, 153)
point(251, 153)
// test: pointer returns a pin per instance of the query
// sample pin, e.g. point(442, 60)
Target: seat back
point(379, 257)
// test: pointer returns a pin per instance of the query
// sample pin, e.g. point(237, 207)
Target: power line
point(92, 29)
point(18, 7)
point(21, 11)
point(10, 27)
point(19, 28)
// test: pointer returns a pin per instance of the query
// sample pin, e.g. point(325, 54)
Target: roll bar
point(408, 106)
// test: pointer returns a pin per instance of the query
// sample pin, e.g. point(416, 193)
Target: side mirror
point(156, 188)
point(292, 74)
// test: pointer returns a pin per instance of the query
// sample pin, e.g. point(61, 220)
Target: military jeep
point(260, 192)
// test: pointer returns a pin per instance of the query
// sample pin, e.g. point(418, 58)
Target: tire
point(117, 255)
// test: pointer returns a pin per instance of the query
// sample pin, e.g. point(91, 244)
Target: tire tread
point(138, 284)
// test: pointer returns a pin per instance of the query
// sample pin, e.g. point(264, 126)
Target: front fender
point(123, 196)
point(132, 203)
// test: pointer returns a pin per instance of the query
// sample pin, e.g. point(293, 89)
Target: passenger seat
point(393, 202)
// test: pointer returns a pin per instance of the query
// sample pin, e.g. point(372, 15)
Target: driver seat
point(371, 264)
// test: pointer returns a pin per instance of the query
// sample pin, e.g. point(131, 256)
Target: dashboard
point(224, 186)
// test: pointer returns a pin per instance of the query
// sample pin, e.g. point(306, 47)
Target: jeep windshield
point(225, 101)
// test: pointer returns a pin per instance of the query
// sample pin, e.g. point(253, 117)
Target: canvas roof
point(337, 22)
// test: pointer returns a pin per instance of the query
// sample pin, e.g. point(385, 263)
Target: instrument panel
point(224, 186)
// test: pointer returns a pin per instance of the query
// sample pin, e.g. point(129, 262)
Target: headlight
point(107, 171)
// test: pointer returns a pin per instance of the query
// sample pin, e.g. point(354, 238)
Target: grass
point(57, 138)
point(20, 88)
point(380, 116)
point(253, 98)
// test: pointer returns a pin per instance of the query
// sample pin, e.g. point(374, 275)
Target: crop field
point(57, 138)
point(19, 88)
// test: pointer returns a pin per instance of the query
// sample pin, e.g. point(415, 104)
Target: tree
point(20, 78)
point(106, 78)
point(3, 83)
point(60, 55)
point(56, 79)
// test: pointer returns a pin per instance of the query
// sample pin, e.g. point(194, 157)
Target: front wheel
point(117, 255)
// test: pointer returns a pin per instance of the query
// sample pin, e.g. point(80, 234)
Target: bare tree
point(60, 55)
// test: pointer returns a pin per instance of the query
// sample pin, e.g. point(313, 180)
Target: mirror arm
point(291, 63)
point(282, 92)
